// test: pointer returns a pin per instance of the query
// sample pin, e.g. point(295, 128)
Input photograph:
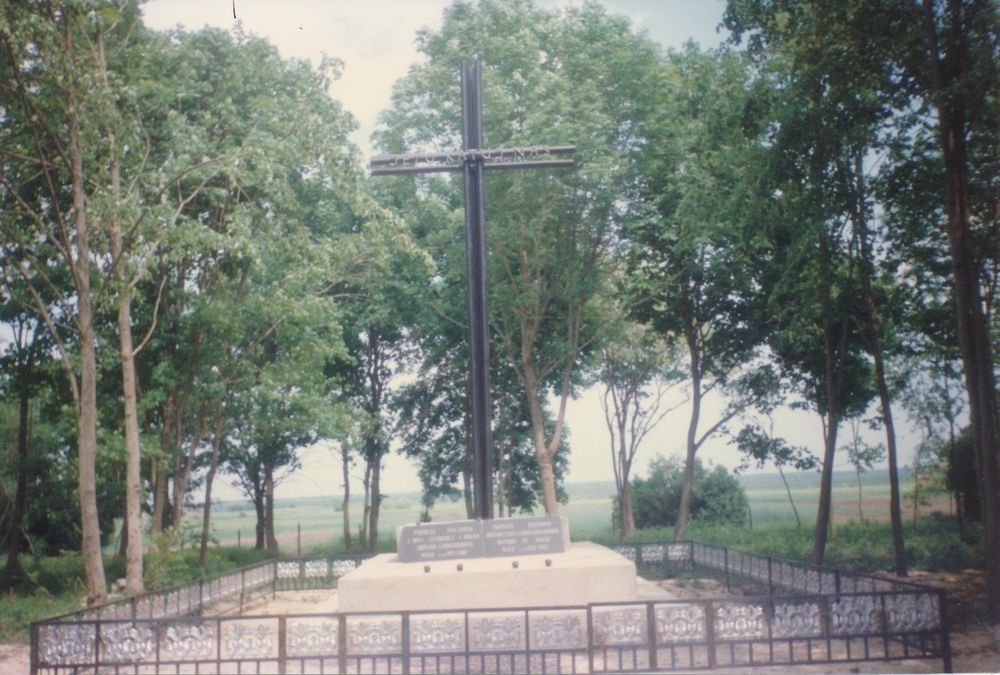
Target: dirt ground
point(975, 645)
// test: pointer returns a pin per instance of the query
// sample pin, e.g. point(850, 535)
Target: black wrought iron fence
point(811, 616)
point(181, 600)
point(648, 636)
point(772, 574)
point(308, 573)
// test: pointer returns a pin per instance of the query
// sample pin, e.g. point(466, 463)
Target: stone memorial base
point(583, 574)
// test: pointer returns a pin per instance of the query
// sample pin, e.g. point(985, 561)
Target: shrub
point(717, 497)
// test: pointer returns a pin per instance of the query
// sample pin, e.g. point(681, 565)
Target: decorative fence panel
point(811, 615)
point(305, 574)
point(778, 574)
point(661, 636)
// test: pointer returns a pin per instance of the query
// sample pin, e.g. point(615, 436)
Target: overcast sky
point(376, 41)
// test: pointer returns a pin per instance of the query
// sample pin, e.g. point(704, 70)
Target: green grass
point(53, 585)
point(936, 544)
point(18, 611)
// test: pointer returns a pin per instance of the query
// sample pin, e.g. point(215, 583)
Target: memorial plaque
point(523, 536)
point(481, 538)
point(440, 541)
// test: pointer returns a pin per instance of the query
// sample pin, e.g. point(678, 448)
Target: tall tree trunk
point(875, 348)
point(948, 74)
point(542, 455)
point(857, 476)
point(160, 473)
point(183, 479)
point(258, 505)
point(93, 564)
point(627, 521)
point(15, 534)
point(835, 351)
point(206, 519)
point(133, 486)
point(132, 530)
point(895, 500)
point(376, 499)
point(346, 465)
point(272, 541)
point(823, 511)
point(687, 488)
point(365, 506)
point(788, 491)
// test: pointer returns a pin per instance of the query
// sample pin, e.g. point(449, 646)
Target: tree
point(637, 372)
point(23, 360)
point(691, 277)
point(942, 57)
point(862, 457)
point(64, 159)
point(762, 447)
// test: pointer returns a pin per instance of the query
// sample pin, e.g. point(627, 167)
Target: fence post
point(405, 629)
point(298, 539)
point(342, 643)
point(710, 632)
point(201, 595)
point(651, 628)
point(945, 633)
point(97, 643)
point(884, 625)
point(33, 654)
point(770, 579)
point(725, 551)
point(243, 586)
point(590, 638)
point(282, 645)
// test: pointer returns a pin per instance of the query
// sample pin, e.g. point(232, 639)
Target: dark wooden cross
point(473, 161)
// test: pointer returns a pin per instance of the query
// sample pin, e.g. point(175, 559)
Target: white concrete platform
point(586, 573)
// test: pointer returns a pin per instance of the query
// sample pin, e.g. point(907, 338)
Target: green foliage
point(936, 544)
point(760, 448)
point(18, 611)
point(164, 560)
point(717, 496)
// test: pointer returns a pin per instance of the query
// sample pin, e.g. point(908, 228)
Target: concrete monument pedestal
point(520, 562)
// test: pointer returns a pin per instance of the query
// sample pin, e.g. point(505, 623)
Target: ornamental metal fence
point(831, 621)
point(769, 573)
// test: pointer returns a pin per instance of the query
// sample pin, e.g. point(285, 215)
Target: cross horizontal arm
point(453, 161)
point(441, 168)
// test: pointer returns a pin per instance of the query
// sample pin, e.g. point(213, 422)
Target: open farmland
point(589, 509)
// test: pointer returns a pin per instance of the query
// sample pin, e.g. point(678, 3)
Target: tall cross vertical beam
point(473, 161)
point(473, 169)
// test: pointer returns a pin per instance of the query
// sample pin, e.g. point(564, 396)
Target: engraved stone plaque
point(523, 536)
point(441, 541)
point(481, 538)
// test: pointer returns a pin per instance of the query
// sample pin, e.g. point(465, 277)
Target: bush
point(717, 497)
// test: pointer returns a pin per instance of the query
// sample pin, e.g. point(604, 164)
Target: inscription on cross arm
point(473, 161)
point(503, 158)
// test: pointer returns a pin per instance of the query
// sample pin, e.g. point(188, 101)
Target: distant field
point(589, 509)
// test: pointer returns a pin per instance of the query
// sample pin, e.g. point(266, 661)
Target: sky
point(375, 39)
